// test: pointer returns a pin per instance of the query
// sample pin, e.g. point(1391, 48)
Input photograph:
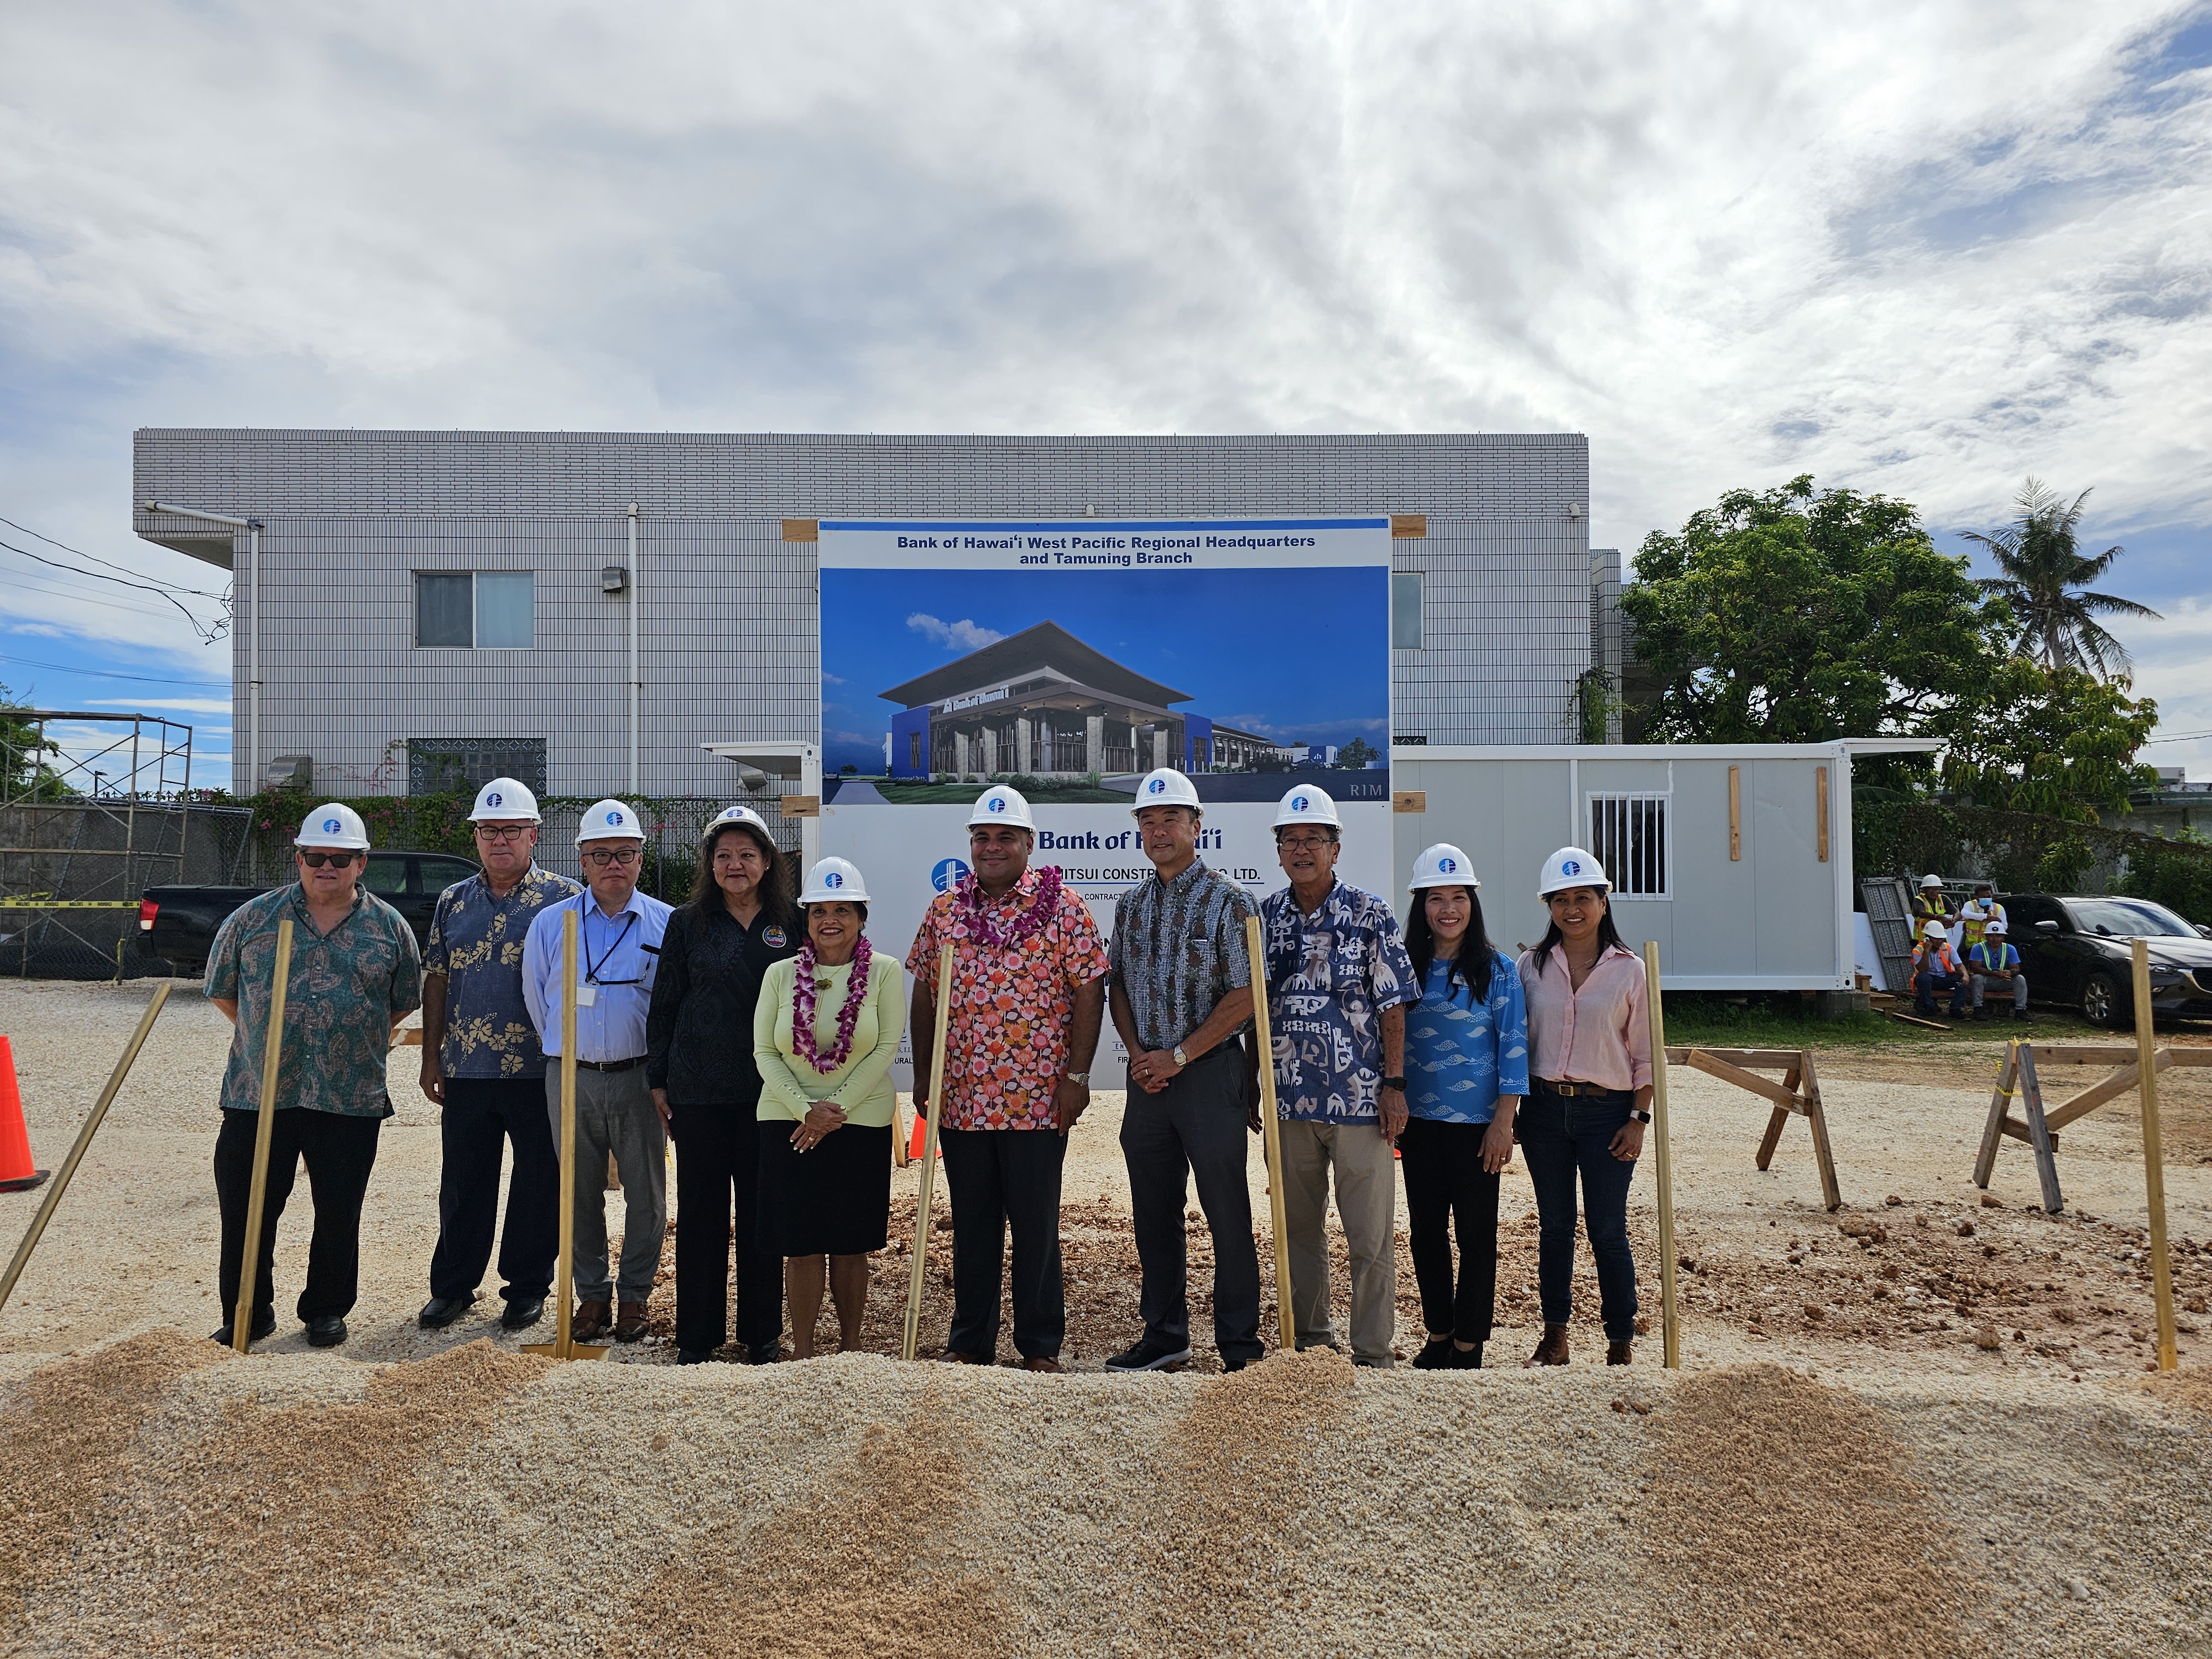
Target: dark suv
point(179, 924)
point(2077, 950)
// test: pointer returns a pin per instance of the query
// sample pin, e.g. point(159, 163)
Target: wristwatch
point(1397, 1083)
point(1084, 1077)
point(1639, 1116)
point(1175, 1055)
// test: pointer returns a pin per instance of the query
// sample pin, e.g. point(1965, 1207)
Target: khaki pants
point(1366, 1203)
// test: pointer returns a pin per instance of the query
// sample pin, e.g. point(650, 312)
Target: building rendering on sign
point(430, 607)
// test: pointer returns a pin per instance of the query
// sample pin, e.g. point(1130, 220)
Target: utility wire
point(199, 591)
point(209, 634)
point(110, 674)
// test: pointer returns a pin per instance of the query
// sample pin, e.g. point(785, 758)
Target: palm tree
point(2045, 581)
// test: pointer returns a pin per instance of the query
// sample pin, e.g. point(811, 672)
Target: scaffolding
point(86, 826)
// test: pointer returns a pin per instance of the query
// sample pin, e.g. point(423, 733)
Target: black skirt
point(834, 1201)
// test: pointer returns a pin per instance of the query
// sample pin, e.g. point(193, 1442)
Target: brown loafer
point(954, 1357)
point(1552, 1351)
point(630, 1321)
point(1046, 1363)
point(590, 1320)
point(1621, 1353)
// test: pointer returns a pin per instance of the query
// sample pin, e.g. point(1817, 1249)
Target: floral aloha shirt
point(345, 990)
point(475, 941)
point(1330, 976)
point(1012, 1007)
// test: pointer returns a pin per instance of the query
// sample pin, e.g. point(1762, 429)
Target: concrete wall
point(728, 611)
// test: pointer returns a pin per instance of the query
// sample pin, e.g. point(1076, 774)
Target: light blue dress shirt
point(1460, 1055)
point(616, 956)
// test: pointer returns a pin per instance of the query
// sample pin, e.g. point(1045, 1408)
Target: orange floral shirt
point(1012, 1007)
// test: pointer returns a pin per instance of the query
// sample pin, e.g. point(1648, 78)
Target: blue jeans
point(1928, 986)
point(1563, 1136)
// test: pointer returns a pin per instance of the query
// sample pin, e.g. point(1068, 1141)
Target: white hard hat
point(1934, 930)
point(333, 825)
point(609, 820)
point(834, 878)
point(1442, 866)
point(1166, 787)
point(1002, 804)
point(1994, 924)
point(505, 800)
point(1931, 881)
point(730, 815)
point(1307, 804)
point(1571, 867)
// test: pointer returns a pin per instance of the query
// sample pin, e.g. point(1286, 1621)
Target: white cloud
point(187, 705)
point(963, 636)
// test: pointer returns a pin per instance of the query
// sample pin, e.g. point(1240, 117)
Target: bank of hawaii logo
point(1297, 803)
point(614, 817)
point(1157, 786)
point(946, 872)
point(1445, 866)
point(997, 803)
point(330, 826)
point(493, 798)
point(831, 879)
point(1571, 868)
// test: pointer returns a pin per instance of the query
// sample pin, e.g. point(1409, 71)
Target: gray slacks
point(1367, 1203)
point(614, 1114)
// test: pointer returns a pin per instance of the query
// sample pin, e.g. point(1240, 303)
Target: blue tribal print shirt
point(1329, 977)
point(1461, 1054)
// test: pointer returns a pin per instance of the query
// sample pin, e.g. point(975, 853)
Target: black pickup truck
point(178, 924)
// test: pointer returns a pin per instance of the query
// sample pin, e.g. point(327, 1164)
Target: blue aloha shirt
point(1329, 977)
point(475, 941)
point(345, 990)
point(1460, 1055)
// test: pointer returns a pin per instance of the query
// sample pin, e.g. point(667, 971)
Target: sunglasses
point(317, 860)
point(604, 856)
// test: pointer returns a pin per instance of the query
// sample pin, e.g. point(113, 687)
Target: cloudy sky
point(1920, 248)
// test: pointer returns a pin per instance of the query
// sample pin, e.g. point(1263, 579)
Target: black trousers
point(1193, 1131)
point(1446, 1185)
point(482, 1115)
point(717, 1192)
point(339, 1151)
point(998, 1180)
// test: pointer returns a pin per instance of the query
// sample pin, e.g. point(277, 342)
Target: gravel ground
point(1844, 1465)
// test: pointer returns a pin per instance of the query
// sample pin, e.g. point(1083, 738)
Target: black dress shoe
point(522, 1312)
point(1146, 1355)
point(440, 1312)
point(264, 1322)
point(327, 1332)
point(694, 1356)
point(765, 1353)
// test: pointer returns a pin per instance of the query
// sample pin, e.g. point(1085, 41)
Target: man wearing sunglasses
point(354, 975)
point(618, 935)
point(482, 1063)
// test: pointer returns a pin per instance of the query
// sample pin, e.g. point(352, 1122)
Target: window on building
point(438, 766)
point(1406, 610)
point(483, 610)
point(1628, 834)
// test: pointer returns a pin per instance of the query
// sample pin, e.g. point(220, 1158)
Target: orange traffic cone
point(17, 1174)
point(919, 1143)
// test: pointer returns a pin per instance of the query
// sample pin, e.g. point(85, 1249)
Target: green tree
point(1357, 753)
point(2045, 583)
point(2059, 742)
point(24, 773)
point(1801, 616)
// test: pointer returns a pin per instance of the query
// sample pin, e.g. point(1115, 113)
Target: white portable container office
point(1735, 858)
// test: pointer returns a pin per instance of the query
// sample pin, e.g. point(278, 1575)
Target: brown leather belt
point(1571, 1089)
point(610, 1065)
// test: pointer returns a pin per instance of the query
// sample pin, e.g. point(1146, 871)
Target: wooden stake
point(83, 1140)
point(564, 1345)
point(2038, 1130)
point(1985, 1160)
point(1271, 1134)
point(928, 1189)
point(2161, 1264)
point(1824, 1156)
point(264, 1130)
point(1669, 1326)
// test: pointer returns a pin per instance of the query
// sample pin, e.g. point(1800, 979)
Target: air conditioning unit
point(290, 772)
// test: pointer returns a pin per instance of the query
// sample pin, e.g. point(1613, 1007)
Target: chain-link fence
point(71, 872)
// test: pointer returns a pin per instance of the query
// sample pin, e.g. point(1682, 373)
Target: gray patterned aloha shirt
point(1178, 948)
point(1329, 977)
point(475, 941)
point(344, 991)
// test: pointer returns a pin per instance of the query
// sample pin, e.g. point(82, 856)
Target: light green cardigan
point(862, 1086)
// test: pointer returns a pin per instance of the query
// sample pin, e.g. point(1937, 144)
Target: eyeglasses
point(1303, 843)
point(317, 860)
point(513, 832)
point(605, 856)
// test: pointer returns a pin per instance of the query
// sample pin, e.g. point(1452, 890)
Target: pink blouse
point(1600, 1034)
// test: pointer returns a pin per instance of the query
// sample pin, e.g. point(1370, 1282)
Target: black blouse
point(699, 1029)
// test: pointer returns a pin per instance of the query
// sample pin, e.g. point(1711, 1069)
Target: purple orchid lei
point(802, 1020)
point(1041, 909)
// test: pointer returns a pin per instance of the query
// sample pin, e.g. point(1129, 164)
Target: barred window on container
point(485, 610)
point(1628, 834)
